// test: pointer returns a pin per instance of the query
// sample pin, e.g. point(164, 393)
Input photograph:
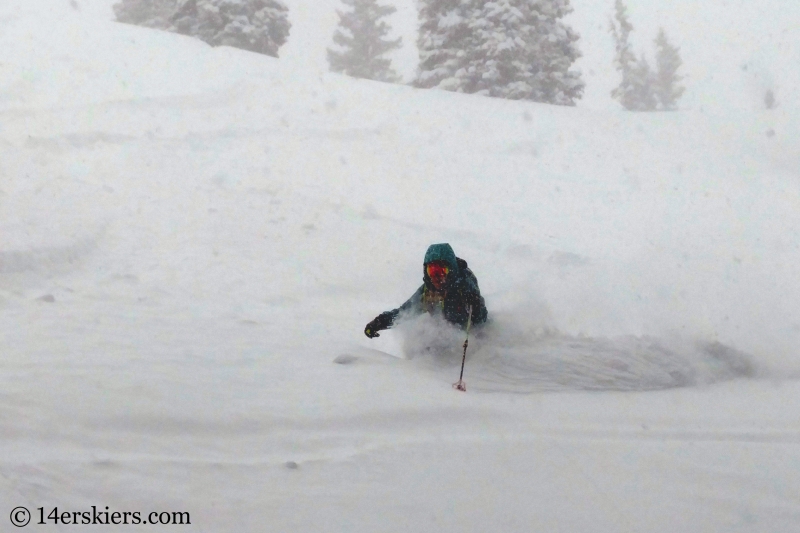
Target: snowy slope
point(191, 236)
point(732, 50)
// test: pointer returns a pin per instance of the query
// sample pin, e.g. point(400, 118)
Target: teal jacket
point(459, 294)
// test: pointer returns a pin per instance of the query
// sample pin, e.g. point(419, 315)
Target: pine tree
point(635, 92)
point(668, 61)
point(551, 52)
point(441, 41)
point(515, 49)
point(257, 25)
point(643, 86)
point(149, 13)
point(361, 38)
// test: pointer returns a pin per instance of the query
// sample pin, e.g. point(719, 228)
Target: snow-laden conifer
point(149, 13)
point(643, 86)
point(635, 91)
point(257, 25)
point(516, 49)
point(668, 61)
point(552, 53)
point(441, 41)
point(362, 43)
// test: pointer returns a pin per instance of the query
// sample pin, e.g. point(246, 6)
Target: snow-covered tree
point(442, 42)
point(668, 61)
point(552, 53)
point(641, 89)
point(150, 13)
point(362, 43)
point(257, 25)
point(516, 49)
point(635, 91)
point(643, 86)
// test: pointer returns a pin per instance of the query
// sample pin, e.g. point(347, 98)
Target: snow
point(194, 238)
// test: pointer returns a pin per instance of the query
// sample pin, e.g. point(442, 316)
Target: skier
point(449, 288)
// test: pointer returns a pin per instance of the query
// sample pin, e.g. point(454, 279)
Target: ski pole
point(460, 385)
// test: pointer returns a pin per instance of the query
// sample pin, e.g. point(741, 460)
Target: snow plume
point(432, 339)
point(520, 350)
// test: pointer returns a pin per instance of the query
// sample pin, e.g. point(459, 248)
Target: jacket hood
point(441, 252)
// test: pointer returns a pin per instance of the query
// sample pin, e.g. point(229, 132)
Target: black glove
point(381, 322)
point(371, 331)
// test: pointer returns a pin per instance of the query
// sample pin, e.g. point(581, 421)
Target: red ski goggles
point(437, 270)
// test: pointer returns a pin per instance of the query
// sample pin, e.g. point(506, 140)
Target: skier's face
point(437, 271)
